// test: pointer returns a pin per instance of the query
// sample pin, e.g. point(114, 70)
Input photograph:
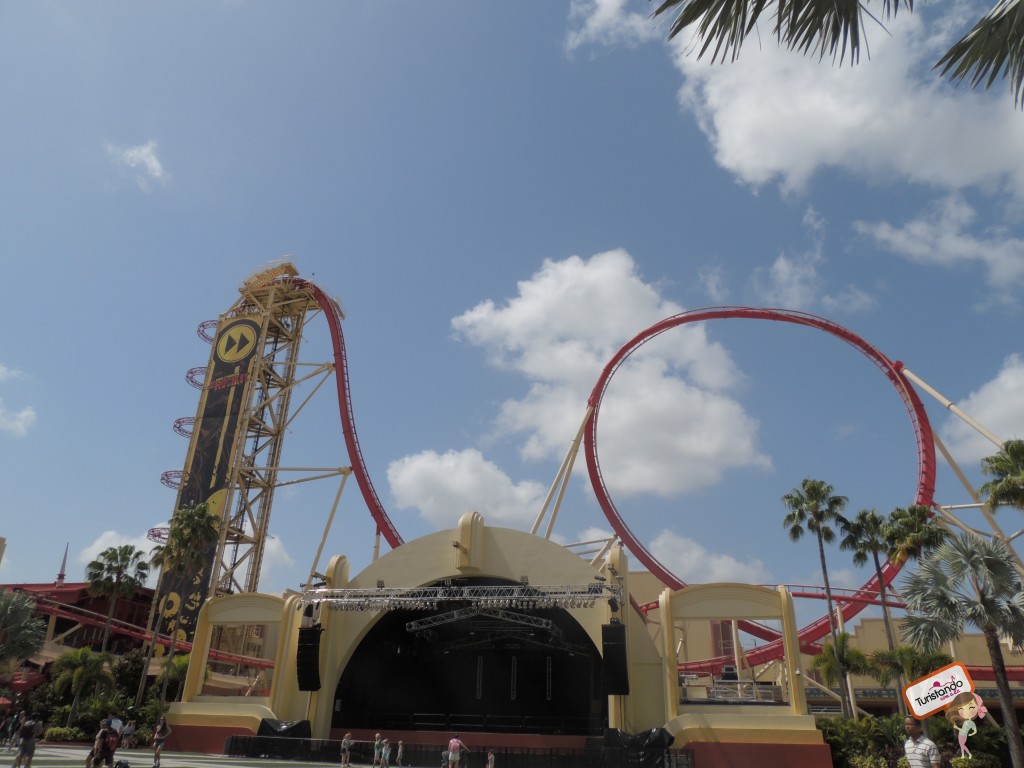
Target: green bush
point(976, 760)
point(903, 763)
point(143, 735)
point(58, 735)
point(867, 761)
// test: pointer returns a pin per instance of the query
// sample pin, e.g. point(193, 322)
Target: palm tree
point(838, 659)
point(970, 581)
point(1007, 469)
point(193, 529)
point(912, 532)
point(79, 671)
point(813, 506)
point(22, 633)
point(866, 535)
point(117, 572)
point(993, 46)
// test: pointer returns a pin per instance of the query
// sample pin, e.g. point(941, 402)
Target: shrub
point(143, 735)
point(976, 760)
point(867, 761)
point(58, 735)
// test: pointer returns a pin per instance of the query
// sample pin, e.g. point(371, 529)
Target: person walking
point(378, 746)
point(400, 754)
point(160, 735)
point(490, 758)
point(105, 745)
point(921, 751)
point(455, 750)
point(28, 734)
point(385, 754)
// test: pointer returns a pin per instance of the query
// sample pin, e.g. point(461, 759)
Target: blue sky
point(500, 195)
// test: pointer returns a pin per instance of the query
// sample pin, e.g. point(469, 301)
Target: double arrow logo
point(235, 342)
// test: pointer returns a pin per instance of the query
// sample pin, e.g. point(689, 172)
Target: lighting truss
point(494, 597)
point(467, 613)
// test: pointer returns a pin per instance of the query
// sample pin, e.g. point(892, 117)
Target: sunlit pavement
point(73, 756)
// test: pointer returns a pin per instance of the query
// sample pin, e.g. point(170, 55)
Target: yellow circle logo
point(236, 341)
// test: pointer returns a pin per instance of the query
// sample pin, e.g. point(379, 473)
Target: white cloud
point(775, 115)
point(694, 564)
point(998, 405)
point(666, 424)
point(6, 374)
point(713, 280)
point(275, 561)
point(939, 237)
point(608, 23)
point(444, 487)
point(791, 282)
point(17, 423)
point(849, 300)
point(141, 161)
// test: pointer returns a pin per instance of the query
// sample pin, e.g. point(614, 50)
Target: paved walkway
point(62, 756)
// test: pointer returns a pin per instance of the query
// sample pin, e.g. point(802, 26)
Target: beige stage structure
point(493, 663)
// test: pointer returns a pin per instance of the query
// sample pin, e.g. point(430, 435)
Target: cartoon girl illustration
point(961, 713)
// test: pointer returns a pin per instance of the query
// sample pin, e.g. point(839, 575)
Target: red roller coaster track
point(893, 372)
point(330, 309)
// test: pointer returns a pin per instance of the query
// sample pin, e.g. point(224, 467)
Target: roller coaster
point(309, 298)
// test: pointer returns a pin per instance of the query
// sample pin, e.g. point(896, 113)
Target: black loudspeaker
point(307, 659)
point(616, 672)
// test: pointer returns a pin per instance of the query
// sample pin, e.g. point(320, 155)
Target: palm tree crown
point(21, 633)
point(192, 529)
point(77, 672)
point(117, 572)
point(994, 47)
point(867, 536)
point(1007, 470)
point(912, 532)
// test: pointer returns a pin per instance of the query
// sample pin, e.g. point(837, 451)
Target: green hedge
point(56, 735)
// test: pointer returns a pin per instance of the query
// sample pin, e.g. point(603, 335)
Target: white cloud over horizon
point(446, 486)
point(939, 237)
point(695, 564)
point(997, 405)
point(666, 422)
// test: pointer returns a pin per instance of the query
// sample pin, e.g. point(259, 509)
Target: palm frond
point(827, 27)
point(930, 632)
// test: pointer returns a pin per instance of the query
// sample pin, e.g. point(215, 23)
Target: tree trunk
point(73, 710)
point(110, 620)
point(843, 691)
point(902, 705)
point(1010, 726)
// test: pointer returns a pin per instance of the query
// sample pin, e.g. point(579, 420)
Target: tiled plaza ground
point(62, 756)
